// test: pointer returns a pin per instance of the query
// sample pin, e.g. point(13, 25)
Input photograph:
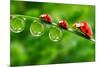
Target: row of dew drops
point(37, 28)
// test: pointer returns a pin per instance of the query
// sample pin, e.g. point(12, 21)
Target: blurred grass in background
point(29, 50)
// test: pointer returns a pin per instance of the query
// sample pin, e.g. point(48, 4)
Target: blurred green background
point(29, 50)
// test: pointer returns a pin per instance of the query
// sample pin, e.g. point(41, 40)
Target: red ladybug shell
point(85, 28)
point(63, 24)
point(46, 18)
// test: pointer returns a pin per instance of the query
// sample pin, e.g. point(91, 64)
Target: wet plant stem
point(69, 29)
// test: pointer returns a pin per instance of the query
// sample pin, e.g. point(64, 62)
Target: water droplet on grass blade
point(17, 25)
point(36, 28)
point(55, 34)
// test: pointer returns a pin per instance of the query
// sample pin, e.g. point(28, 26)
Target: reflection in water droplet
point(17, 25)
point(55, 34)
point(36, 28)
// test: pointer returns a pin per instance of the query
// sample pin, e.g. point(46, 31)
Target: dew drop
point(17, 25)
point(36, 28)
point(55, 34)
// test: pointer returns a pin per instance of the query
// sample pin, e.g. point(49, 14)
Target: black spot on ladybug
point(86, 31)
point(83, 27)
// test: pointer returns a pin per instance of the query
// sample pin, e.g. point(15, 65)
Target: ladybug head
point(76, 25)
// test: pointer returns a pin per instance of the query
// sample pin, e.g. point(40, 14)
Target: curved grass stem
point(24, 16)
point(81, 34)
point(69, 29)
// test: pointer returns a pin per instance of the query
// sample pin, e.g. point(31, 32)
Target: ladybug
point(46, 18)
point(63, 24)
point(76, 25)
point(84, 28)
